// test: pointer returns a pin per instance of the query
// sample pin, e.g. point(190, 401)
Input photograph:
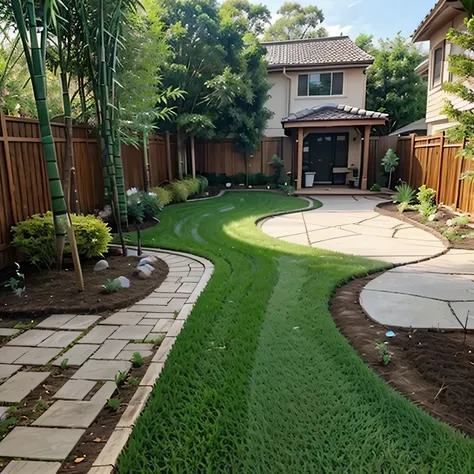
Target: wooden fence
point(432, 161)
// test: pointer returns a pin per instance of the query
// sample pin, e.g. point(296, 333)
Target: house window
point(438, 57)
point(320, 84)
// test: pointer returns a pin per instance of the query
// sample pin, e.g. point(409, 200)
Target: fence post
point(8, 160)
point(412, 156)
point(442, 140)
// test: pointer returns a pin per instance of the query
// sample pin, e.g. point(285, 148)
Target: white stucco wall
point(354, 94)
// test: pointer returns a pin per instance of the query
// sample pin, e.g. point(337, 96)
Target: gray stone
point(38, 356)
point(135, 407)
point(32, 467)
point(155, 299)
point(168, 288)
point(101, 265)
point(8, 332)
point(163, 325)
point(55, 321)
point(153, 308)
point(150, 259)
point(69, 414)
point(139, 347)
point(60, 339)
point(154, 336)
point(7, 370)
point(3, 412)
point(77, 355)
point(101, 369)
point(81, 322)
point(131, 333)
point(128, 355)
point(124, 281)
point(175, 328)
point(159, 315)
point(186, 288)
point(110, 349)
point(164, 349)
point(152, 374)
point(32, 337)
point(148, 322)
point(40, 443)
point(104, 393)
point(124, 317)
point(16, 388)
point(113, 447)
point(9, 354)
point(185, 312)
point(143, 272)
point(75, 389)
point(98, 334)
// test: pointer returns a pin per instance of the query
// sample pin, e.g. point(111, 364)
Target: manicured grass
point(260, 380)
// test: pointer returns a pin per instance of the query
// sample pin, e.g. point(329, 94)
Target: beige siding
point(354, 92)
point(436, 96)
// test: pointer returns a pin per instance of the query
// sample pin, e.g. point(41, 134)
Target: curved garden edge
point(105, 462)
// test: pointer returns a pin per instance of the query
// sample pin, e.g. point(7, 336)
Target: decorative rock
point(144, 271)
point(149, 260)
point(124, 281)
point(101, 265)
point(435, 217)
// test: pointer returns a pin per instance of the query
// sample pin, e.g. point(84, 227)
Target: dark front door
point(322, 152)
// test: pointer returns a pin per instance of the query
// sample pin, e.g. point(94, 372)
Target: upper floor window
point(320, 84)
point(438, 61)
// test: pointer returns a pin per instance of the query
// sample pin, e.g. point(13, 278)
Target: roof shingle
point(333, 112)
point(318, 51)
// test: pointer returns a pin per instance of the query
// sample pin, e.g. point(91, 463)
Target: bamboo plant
point(35, 54)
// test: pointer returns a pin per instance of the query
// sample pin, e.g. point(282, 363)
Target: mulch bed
point(436, 227)
point(56, 292)
point(435, 370)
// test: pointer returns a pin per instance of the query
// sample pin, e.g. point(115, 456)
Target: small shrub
point(41, 406)
point(261, 179)
point(35, 237)
point(211, 178)
point(134, 381)
point(404, 197)
point(179, 191)
point(193, 186)
point(426, 209)
point(451, 234)
point(142, 206)
point(137, 360)
point(14, 285)
point(120, 378)
point(276, 162)
point(64, 364)
point(222, 179)
point(135, 210)
point(203, 184)
point(426, 195)
point(164, 195)
point(288, 190)
point(383, 353)
point(113, 404)
point(376, 188)
point(111, 286)
point(459, 221)
point(151, 205)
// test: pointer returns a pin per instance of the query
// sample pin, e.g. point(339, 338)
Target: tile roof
point(333, 112)
point(318, 51)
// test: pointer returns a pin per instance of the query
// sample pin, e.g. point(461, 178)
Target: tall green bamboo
point(35, 58)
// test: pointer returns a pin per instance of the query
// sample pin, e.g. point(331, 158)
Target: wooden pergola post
point(299, 170)
point(365, 157)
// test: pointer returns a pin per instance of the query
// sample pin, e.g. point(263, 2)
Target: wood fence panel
point(157, 160)
point(403, 152)
point(132, 162)
point(450, 175)
point(466, 188)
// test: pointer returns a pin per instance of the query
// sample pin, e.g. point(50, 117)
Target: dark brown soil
point(463, 242)
point(435, 370)
point(53, 291)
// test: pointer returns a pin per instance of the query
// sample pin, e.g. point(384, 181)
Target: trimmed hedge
point(35, 237)
point(164, 195)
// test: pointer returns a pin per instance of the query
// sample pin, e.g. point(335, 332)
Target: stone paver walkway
point(99, 348)
point(349, 224)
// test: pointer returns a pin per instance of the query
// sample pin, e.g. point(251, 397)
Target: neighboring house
point(445, 14)
point(318, 102)
point(419, 127)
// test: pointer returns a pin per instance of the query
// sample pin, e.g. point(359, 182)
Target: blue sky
point(382, 18)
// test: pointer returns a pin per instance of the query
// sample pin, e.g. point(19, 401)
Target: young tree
point(296, 22)
point(461, 66)
point(393, 86)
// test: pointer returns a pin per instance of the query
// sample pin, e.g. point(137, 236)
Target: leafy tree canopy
point(393, 86)
point(296, 22)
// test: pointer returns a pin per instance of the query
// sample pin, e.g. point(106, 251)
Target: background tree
point(393, 86)
point(461, 66)
point(296, 22)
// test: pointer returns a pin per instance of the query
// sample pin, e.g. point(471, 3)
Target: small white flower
point(132, 191)
point(152, 194)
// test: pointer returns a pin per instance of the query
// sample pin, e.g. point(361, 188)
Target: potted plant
point(390, 162)
point(277, 164)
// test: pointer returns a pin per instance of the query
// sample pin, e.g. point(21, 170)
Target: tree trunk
point(193, 157)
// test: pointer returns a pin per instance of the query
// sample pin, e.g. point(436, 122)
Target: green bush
point(35, 237)
point(179, 191)
point(203, 183)
point(164, 195)
point(142, 206)
point(425, 194)
point(375, 188)
point(193, 185)
point(222, 179)
point(261, 179)
point(404, 197)
point(151, 205)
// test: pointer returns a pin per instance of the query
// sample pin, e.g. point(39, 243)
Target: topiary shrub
point(164, 195)
point(193, 185)
point(35, 237)
point(203, 184)
point(151, 205)
point(179, 191)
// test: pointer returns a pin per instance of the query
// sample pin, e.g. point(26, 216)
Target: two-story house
point(318, 100)
point(445, 14)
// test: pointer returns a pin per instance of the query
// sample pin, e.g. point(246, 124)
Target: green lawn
point(260, 380)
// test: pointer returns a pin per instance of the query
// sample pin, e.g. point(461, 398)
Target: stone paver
point(349, 224)
point(101, 369)
point(128, 355)
point(104, 393)
point(10, 354)
point(7, 370)
point(77, 355)
point(8, 332)
point(152, 373)
point(131, 333)
point(75, 390)
point(16, 388)
point(98, 335)
point(69, 414)
point(38, 356)
point(55, 321)
point(124, 318)
point(60, 339)
point(175, 328)
point(110, 349)
point(40, 443)
point(81, 322)
point(32, 338)
point(164, 349)
point(32, 467)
